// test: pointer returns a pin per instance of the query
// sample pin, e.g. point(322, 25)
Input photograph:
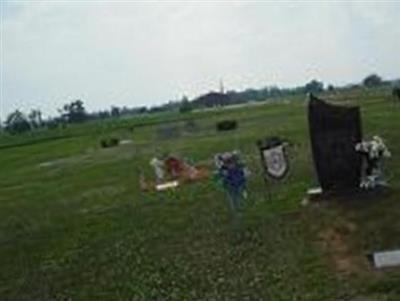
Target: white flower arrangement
point(374, 152)
point(375, 148)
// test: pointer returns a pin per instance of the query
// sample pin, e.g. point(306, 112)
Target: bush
point(17, 123)
point(372, 80)
point(396, 92)
point(227, 125)
point(109, 142)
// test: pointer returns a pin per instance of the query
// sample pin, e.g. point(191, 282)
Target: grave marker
point(274, 158)
point(334, 132)
point(386, 259)
point(168, 132)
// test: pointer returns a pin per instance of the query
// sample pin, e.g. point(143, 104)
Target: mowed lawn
point(74, 224)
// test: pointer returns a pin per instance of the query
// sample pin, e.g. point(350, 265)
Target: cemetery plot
point(87, 232)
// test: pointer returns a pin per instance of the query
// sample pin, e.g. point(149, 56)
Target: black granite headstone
point(334, 132)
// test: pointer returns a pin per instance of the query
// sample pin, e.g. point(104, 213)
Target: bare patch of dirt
point(338, 241)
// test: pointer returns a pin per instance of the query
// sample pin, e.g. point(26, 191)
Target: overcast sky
point(133, 53)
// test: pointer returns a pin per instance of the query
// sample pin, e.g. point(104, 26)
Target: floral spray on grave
point(374, 152)
point(171, 171)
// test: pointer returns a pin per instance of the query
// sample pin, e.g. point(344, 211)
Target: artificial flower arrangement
point(373, 151)
point(232, 175)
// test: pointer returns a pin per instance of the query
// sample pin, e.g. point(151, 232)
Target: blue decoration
point(232, 175)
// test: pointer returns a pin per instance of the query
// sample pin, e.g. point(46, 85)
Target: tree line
point(75, 111)
point(71, 113)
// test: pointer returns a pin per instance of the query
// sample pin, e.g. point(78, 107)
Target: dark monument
point(334, 132)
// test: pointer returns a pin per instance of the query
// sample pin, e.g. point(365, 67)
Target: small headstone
point(386, 259)
point(126, 141)
point(168, 132)
point(334, 132)
point(190, 126)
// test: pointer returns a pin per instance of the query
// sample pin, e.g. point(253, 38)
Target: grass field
point(74, 224)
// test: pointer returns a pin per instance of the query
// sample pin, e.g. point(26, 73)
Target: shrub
point(227, 125)
point(372, 80)
point(17, 123)
point(109, 142)
point(396, 92)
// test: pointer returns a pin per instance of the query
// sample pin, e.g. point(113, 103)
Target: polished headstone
point(334, 132)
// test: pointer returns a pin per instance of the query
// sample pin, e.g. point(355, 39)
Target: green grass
point(80, 229)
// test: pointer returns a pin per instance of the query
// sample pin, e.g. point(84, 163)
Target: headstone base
point(316, 194)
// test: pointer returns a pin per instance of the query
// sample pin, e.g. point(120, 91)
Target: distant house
point(212, 99)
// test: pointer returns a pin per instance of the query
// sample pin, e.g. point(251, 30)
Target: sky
point(131, 53)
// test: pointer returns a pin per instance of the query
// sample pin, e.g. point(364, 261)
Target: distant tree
point(74, 112)
point(314, 86)
point(372, 80)
point(116, 112)
point(124, 111)
point(142, 110)
point(275, 91)
point(104, 114)
point(396, 92)
point(53, 123)
point(185, 105)
point(16, 123)
point(250, 94)
point(330, 88)
point(35, 118)
point(263, 93)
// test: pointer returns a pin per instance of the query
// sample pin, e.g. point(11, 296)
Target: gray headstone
point(334, 132)
point(168, 132)
point(386, 259)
